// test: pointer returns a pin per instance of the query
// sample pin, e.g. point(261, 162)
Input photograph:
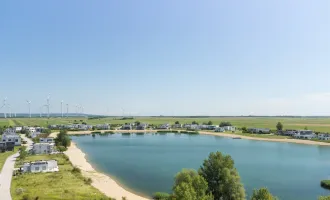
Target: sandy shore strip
point(100, 181)
point(297, 141)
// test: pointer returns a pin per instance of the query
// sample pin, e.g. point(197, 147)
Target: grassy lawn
point(64, 184)
point(259, 135)
point(5, 155)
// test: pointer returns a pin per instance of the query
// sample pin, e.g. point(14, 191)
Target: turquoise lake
point(148, 163)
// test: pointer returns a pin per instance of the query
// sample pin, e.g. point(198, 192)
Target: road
point(7, 172)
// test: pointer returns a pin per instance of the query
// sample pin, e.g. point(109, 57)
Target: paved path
point(7, 172)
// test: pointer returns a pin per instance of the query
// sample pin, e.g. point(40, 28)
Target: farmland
point(312, 123)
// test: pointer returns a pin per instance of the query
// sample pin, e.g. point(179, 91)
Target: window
point(16, 140)
point(36, 168)
point(43, 167)
point(9, 140)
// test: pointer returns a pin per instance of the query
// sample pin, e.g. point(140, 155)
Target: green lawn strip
point(5, 155)
point(65, 184)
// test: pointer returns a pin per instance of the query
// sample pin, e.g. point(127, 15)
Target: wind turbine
point(48, 104)
point(62, 108)
point(67, 110)
point(29, 104)
point(9, 108)
point(4, 106)
point(123, 112)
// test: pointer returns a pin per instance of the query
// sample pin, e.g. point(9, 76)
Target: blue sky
point(167, 57)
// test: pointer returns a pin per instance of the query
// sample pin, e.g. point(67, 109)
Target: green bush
point(163, 131)
point(190, 132)
point(161, 196)
point(76, 170)
point(325, 184)
point(88, 181)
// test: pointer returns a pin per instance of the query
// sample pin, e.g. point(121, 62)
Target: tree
point(223, 179)
point(63, 139)
point(279, 126)
point(244, 129)
point(306, 128)
point(22, 153)
point(222, 124)
point(209, 123)
point(262, 194)
point(189, 185)
point(137, 123)
point(177, 122)
point(194, 122)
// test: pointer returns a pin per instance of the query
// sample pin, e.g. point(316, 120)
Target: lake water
point(148, 163)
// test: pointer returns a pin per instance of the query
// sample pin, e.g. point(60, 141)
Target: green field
point(316, 124)
point(5, 155)
point(65, 184)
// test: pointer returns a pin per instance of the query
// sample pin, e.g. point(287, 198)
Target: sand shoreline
point(102, 182)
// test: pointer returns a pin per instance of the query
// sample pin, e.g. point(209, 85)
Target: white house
point(305, 134)
point(31, 129)
point(103, 126)
point(18, 129)
point(229, 128)
point(323, 136)
point(259, 130)
point(40, 166)
point(43, 148)
point(47, 140)
point(9, 135)
point(35, 134)
point(219, 129)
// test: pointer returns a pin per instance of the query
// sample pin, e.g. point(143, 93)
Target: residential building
point(177, 125)
point(40, 166)
point(142, 126)
point(212, 127)
point(18, 129)
point(126, 127)
point(259, 130)
point(7, 146)
point(195, 127)
point(289, 132)
point(35, 134)
point(323, 136)
point(43, 148)
point(229, 128)
point(39, 129)
point(103, 126)
point(9, 135)
point(31, 129)
point(47, 140)
point(219, 129)
point(165, 126)
point(305, 134)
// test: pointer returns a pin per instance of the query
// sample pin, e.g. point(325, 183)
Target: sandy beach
point(297, 141)
point(100, 181)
